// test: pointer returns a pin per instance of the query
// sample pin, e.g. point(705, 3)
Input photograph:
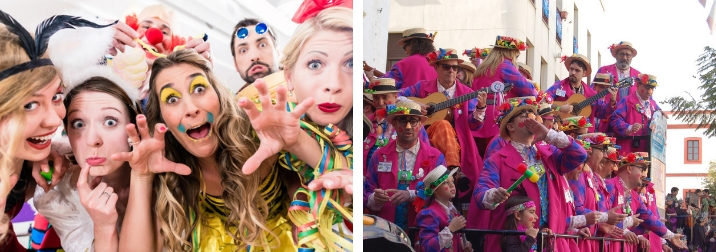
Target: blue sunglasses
point(243, 32)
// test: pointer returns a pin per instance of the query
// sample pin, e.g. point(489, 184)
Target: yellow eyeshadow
point(197, 81)
point(169, 92)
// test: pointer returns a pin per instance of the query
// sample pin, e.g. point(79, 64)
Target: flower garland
point(392, 109)
point(424, 192)
point(645, 79)
point(611, 47)
point(633, 158)
point(472, 53)
point(507, 107)
point(485, 52)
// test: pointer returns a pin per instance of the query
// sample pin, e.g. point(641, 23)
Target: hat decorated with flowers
point(647, 79)
point(472, 53)
point(613, 154)
point(614, 48)
point(443, 54)
point(604, 79)
point(404, 107)
point(426, 188)
point(416, 33)
point(578, 57)
point(573, 123)
point(511, 108)
point(634, 158)
point(381, 86)
point(544, 104)
point(510, 43)
point(597, 139)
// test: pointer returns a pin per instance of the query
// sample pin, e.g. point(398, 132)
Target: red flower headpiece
point(631, 158)
point(311, 8)
point(582, 122)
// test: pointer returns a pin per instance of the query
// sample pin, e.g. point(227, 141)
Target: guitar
point(437, 102)
point(582, 106)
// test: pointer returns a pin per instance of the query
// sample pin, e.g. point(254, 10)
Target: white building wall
point(467, 24)
point(375, 32)
point(675, 156)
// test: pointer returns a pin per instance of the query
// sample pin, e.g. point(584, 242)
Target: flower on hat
point(614, 156)
point(432, 56)
point(582, 122)
point(564, 58)
point(380, 114)
point(505, 106)
point(644, 78)
point(472, 53)
point(509, 42)
point(631, 158)
point(601, 138)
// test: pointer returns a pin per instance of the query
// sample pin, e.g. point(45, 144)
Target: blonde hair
point(469, 76)
point(338, 19)
point(494, 59)
point(177, 195)
point(16, 90)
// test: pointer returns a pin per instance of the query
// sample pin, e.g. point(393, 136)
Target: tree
point(709, 182)
point(701, 111)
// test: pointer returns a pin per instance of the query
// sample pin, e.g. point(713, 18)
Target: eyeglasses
point(447, 67)
point(641, 167)
point(243, 32)
point(627, 55)
point(601, 149)
point(524, 114)
point(404, 122)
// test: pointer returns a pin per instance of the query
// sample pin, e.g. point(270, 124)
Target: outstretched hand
point(276, 128)
point(537, 128)
point(147, 155)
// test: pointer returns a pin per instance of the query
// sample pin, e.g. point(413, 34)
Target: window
point(559, 27)
point(395, 52)
point(545, 11)
point(692, 150)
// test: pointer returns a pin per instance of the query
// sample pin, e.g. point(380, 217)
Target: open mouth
point(200, 132)
point(40, 142)
point(257, 69)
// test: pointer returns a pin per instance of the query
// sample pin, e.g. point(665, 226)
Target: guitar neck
point(458, 100)
point(623, 83)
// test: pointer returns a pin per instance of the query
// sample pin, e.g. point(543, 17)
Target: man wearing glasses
point(394, 171)
point(631, 119)
point(417, 43)
point(623, 52)
point(253, 46)
point(629, 176)
point(453, 135)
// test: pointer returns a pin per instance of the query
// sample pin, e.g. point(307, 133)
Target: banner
point(658, 159)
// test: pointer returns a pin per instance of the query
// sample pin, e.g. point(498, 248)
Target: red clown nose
point(154, 36)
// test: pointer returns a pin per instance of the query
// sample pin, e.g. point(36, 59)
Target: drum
point(382, 235)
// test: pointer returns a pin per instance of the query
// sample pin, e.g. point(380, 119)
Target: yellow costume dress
point(210, 234)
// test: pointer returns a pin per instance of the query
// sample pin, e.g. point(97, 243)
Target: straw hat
point(472, 53)
point(597, 139)
point(437, 177)
point(381, 86)
point(638, 158)
point(573, 123)
point(512, 107)
point(578, 57)
point(544, 105)
point(614, 48)
point(467, 66)
point(647, 79)
point(525, 70)
point(404, 107)
point(613, 154)
point(416, 33)
point(604, 79)
point(443, 55)
point(510, 43)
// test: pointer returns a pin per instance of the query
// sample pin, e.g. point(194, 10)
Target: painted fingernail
point(140, 116)
point(162, 128)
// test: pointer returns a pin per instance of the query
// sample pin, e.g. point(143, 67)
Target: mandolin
point(437, 102)
point(582, 106)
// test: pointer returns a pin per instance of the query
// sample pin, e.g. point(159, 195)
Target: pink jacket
point(612, 69)
point(565, 86)
point(428, 158)
point(471, 162)
point(410, 70)
point(431, 220)
point(626, 114)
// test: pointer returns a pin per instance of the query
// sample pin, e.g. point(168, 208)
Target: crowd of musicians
point(572, 159)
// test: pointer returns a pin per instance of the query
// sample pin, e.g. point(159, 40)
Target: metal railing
point(477, 238)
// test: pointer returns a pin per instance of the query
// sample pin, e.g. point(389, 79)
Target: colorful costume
point(413, 68)
point(551, 193)
point(432, 221)
point(629, 111)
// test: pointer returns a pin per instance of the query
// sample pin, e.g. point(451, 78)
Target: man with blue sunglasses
point(253, 46)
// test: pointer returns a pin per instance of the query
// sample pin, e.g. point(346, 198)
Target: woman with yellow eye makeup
point(187, 190)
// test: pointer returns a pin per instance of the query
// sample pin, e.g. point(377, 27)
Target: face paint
point(521, 125)
point(168, 94)
point(400, 130)
point(198, 84)
point(210, 117)
point(181, 128)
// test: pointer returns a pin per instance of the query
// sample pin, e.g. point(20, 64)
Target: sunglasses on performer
point(447, 67)
point(243, 32)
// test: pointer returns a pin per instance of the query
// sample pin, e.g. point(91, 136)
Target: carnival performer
point(452, 135)
point(466, 74)
point(628, 177)
point(578, 67)
point(417, 43)
point(476, 55)
point(394, 171)
point(646, 192)
point(601, 82)
point(437, 218)
point(31, 112)
point(497, 68)
point(550, 154)
point(254, 50)
point(589, 195)
point(631, 119)
point(623, 52)
point(384, 93)
point(521, 215)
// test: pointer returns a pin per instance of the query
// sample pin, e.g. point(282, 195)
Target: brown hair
point(104, 85)
point(177, 195)
point(488, 67)
point(510, 220)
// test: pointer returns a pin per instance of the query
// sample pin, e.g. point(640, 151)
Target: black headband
point(24, 67)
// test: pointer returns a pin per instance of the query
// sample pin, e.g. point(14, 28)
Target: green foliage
point(709, 181)
point(700, 111)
